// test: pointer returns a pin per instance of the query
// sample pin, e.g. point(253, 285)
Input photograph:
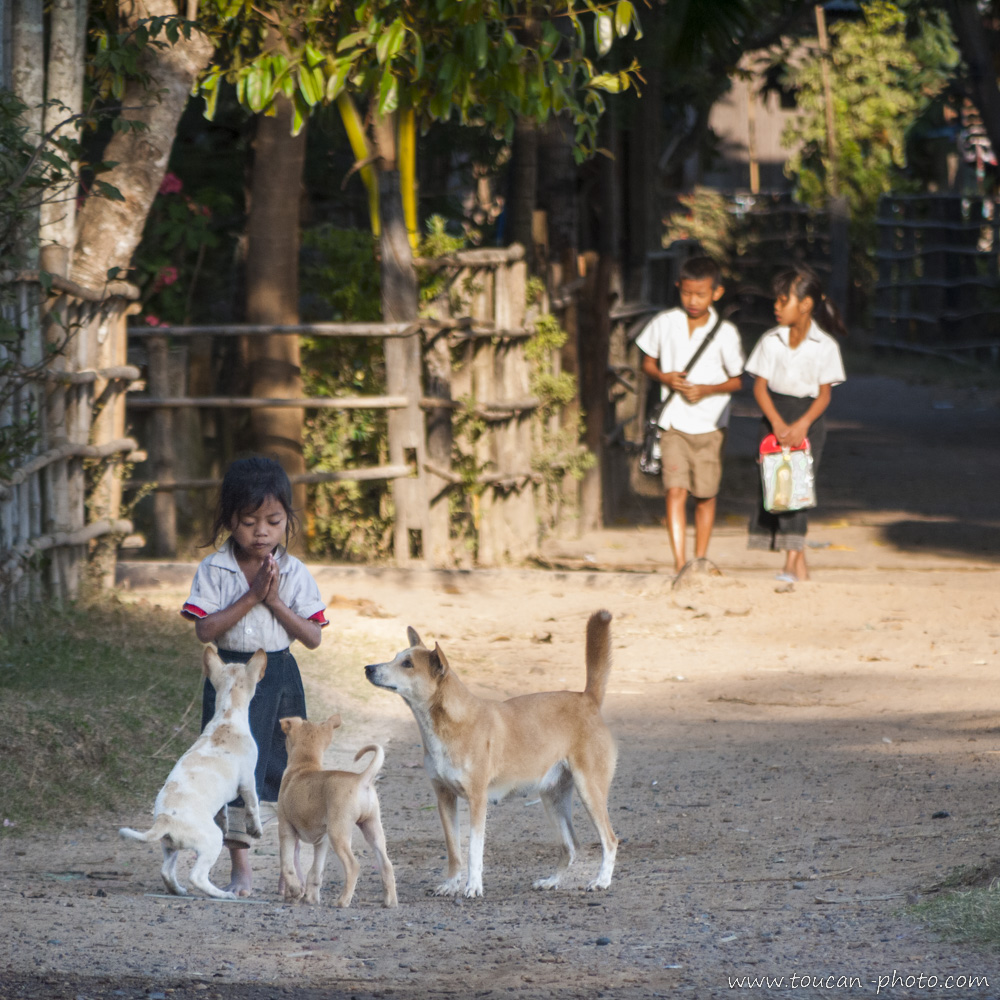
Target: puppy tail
point(368, 774)
point(155, 832)
point(598, 654)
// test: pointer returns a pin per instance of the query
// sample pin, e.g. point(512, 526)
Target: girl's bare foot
point(241, 877)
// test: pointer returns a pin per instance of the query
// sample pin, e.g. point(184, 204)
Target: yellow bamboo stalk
point(408, 173)
point(359, 144)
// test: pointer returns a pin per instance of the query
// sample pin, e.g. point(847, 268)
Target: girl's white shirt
point(797, 371)
point(219, 582)
point(667, 339)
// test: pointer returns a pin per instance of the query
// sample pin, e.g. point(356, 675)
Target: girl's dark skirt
point(279, 694)
point(786, 532)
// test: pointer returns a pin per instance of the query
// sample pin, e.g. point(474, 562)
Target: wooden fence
point(938, 287)
point(62, 422)
point(474, 363)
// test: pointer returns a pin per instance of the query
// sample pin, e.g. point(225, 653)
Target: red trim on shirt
point(319, 617)
point(194, 610)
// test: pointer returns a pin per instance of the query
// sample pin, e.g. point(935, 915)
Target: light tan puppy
point(190, 811)
point(323, 807)
point(484, 750)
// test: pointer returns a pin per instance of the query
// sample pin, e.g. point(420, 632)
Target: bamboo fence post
point(162, 451)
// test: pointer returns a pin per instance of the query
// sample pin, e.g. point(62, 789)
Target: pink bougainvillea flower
point(167, 276)
point(152, 320)
point(171, 184)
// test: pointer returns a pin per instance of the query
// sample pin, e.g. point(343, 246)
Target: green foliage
point(340, 275)
point(560, 452)
point(341, 283)
point(180, 232)
point(96, 711)
point(437, 243)
point(485, 60)
point(707, 218)
point(883, 74)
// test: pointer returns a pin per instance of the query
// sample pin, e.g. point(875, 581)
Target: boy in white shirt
point(693, 424)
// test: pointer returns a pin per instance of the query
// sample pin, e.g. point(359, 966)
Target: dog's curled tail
point(155, 832)
point(598, 654)
point(368, 774)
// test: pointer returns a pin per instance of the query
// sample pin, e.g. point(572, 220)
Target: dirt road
point(796, 765)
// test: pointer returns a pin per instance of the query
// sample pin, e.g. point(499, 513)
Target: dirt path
point(795, 766)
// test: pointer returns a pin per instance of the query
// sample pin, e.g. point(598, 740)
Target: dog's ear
point(438, 662)
point(411, 636)
point(334, 722)
point(289, 723)
point(210, 660)
point(257, 665)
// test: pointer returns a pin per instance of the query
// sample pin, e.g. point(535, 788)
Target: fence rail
point(938, 289)
point(488, 289)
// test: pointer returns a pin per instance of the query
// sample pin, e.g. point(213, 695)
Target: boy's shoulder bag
point(649, 457)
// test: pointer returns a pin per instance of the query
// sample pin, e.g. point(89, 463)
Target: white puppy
point(190, 811)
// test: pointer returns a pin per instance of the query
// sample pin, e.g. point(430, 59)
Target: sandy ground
point(796, 765)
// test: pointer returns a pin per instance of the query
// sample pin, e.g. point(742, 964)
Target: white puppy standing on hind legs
point(190, 810)
point(483, 750)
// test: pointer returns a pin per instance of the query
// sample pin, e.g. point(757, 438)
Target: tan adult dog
point(190, 811)
point(323, 807)
point(484, 750)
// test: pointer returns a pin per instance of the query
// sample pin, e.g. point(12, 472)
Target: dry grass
point(98, 699)
point(966, 905)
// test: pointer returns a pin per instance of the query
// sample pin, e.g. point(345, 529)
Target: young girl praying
point(796, 364)
point(251, 594)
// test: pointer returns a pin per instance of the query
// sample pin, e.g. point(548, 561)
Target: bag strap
point(710, 336)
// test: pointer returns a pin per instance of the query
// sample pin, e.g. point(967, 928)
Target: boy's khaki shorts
point(692, 461)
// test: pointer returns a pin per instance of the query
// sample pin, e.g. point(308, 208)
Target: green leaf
point(389, 42)
point(604, 33)
point(108, 191)
point(211, 101)
point(418, 55)
point(309, 88)
point(300, 114)
point(353, 40)
point(481, 43)
point(611, 82)
point(388, 94)
point(335, 82)
point(626, 18)
point(255, 88)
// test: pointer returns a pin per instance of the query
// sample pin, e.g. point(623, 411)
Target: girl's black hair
point(248, 482)
point(803, 282)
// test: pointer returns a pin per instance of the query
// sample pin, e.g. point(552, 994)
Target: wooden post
point(162, 448)
point(440, 440)
point(407, 436)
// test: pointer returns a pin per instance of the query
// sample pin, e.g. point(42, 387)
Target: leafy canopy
point(488, 61)
point(882, 77)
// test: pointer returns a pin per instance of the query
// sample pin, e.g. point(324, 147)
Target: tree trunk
point(557, 180)
point(64, 84)
point(272, 276)
point(523, 192)
point(403, 361)
point(109, 231)
point(28, 83)
point(978, 45)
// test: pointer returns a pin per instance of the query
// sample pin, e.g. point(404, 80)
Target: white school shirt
point(666, 338)
point(219, 582)
point(798, 371)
